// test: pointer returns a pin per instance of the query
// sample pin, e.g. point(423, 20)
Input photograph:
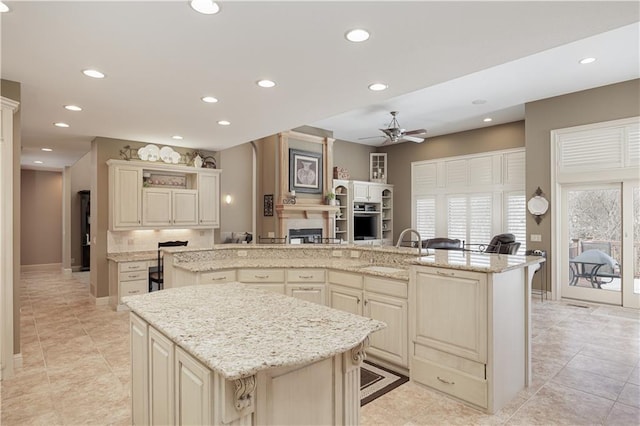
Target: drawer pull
point(305, 276)
point(132, 276)
point(219, 278)
point(446, 382)
point(306, 288)
point(446, 274)
point(261, 276)
point(134, 291)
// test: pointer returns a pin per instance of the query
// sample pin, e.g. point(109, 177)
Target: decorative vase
point(197, 162)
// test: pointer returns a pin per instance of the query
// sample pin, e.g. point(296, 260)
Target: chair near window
point(156, 274)
point(503, 244)
point(442, 243)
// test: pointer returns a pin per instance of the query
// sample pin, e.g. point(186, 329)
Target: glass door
point(592, 254)
point(631, 239)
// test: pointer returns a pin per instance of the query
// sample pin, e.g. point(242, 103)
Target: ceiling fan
point(394, 133)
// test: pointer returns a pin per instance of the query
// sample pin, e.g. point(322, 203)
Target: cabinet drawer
point(131, 288)
point(346, 279)
point(217, 277)
point(275, 288)
point(133, 275)
point(133, 266)
point(450, 381)
point(386, 286)
point(261, 276)
point(445, 359)
point(305, 275)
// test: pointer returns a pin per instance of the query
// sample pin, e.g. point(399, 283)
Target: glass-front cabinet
point(378, 167)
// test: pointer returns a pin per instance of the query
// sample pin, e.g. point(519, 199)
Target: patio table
point(589, 265)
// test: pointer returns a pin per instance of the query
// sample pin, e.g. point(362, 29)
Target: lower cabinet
point(127, 279)
point(266, 279)
point(192, 391)
point(382, 299)
point(307, 284)
point(161, 360)
point(139, 337)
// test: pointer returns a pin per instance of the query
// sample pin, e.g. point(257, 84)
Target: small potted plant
point(331, 198)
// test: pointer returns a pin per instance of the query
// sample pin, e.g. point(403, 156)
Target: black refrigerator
point(85, 228)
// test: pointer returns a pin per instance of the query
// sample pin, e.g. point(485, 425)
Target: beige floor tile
point(589, 382)
point(613, 370)
point(608, 354)
point(630, 395)
point(559, 405)
point(635, 376)
point(21, 409)
point(24, 384)
point(623, 415)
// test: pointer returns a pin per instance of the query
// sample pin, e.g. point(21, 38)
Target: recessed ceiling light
point(357, 35)
point(177, 137)
point(585, 61)
point(479, 101)
point(73, 107)
point(3, 7)
point(376, 87)
point(488, 119)
point(209, 99)
point(93, 73)
point(207, 7)
point(38, 162)
point(46, 149)
point(61, 124)
point(266, 83)
point(224, 122)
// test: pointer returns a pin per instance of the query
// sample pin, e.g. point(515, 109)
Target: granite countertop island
point(237, 331)
point(230, 354)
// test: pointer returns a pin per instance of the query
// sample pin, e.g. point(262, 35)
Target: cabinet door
point(310, 293)
point(192, 391)
point(360, 192)
point(185, 207)
point(161, 361)
point(209, 200)
point(126, 197)
point(390, 343)
point(451, 312)
point(157, 207)
point(345, 299)
point(138, 335)
point(375, 193)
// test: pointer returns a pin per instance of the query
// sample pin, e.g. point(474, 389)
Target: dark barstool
point(156, 275)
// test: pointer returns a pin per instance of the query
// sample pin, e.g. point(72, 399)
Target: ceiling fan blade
point(416, 132)
point(412, 139)
point(387, 142)
point(371, 137)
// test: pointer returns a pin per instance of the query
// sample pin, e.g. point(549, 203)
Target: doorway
point(600, 256)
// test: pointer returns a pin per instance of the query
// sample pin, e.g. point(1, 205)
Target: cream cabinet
point(160, 361)
point(169, 207)
point(266, 279)
point(127, 279)
point(306, 284)
point(139, 336)
point(125, 197)
point(192, 391)
point(379, 298)
point(367, 192)
point(468, 333)
point(145, 195)
point(209, 199)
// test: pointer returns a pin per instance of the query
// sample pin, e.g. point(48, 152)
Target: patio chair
point(607, 271)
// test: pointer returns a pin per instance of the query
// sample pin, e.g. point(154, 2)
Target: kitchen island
point(230, 354)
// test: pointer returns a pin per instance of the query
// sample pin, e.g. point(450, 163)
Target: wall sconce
point(228, 199)
point(538, 205)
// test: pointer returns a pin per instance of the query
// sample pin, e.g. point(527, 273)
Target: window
point(515, 217)
point(469, 218)
point(426, 217)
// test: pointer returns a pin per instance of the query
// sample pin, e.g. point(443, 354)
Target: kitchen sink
point(383, 269)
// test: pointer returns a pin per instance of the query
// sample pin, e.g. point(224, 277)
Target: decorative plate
point(175, 157)
point(154, 152)
point(538, 205)
point(165, 154)
point(143, 154)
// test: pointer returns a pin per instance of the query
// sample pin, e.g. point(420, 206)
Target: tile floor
point(76, 367)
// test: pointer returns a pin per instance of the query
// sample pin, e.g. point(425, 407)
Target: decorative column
point(351, 387)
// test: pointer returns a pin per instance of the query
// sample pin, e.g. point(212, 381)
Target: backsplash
point(147, 240)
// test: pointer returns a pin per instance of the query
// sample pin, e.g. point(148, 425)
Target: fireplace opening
point(305, 235)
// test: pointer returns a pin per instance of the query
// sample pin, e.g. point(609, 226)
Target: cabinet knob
point(365, 302)
point(358, 300)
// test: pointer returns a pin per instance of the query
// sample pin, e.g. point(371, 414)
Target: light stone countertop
point(237, 331)
point(475, 261)
point(134, 256)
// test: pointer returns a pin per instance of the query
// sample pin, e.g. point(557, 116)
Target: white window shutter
point(516, 217)
point(457, 217)
point(426, 217)
point(514, 168)
point(480, 218)
point(424, 177)
point(596, 149)
point(456, 172)
point(481, 171)
point(633, 145)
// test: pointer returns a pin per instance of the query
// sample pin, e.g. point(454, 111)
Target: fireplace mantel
point(307, 210)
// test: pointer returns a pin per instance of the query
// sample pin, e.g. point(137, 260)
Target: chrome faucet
point(410, 230)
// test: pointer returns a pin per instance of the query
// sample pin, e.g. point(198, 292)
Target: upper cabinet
point(152, 196)
point(367, 192)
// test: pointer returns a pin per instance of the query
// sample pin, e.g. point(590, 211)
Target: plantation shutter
point(457, 217)
point(480, 218)
point(426, 217)
point(516, 217)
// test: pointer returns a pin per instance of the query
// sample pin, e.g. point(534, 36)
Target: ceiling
point(161, 57)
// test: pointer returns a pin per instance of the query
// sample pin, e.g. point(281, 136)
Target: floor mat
point(375, 381)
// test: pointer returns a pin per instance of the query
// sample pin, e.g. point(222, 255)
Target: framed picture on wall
point(305, 171)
